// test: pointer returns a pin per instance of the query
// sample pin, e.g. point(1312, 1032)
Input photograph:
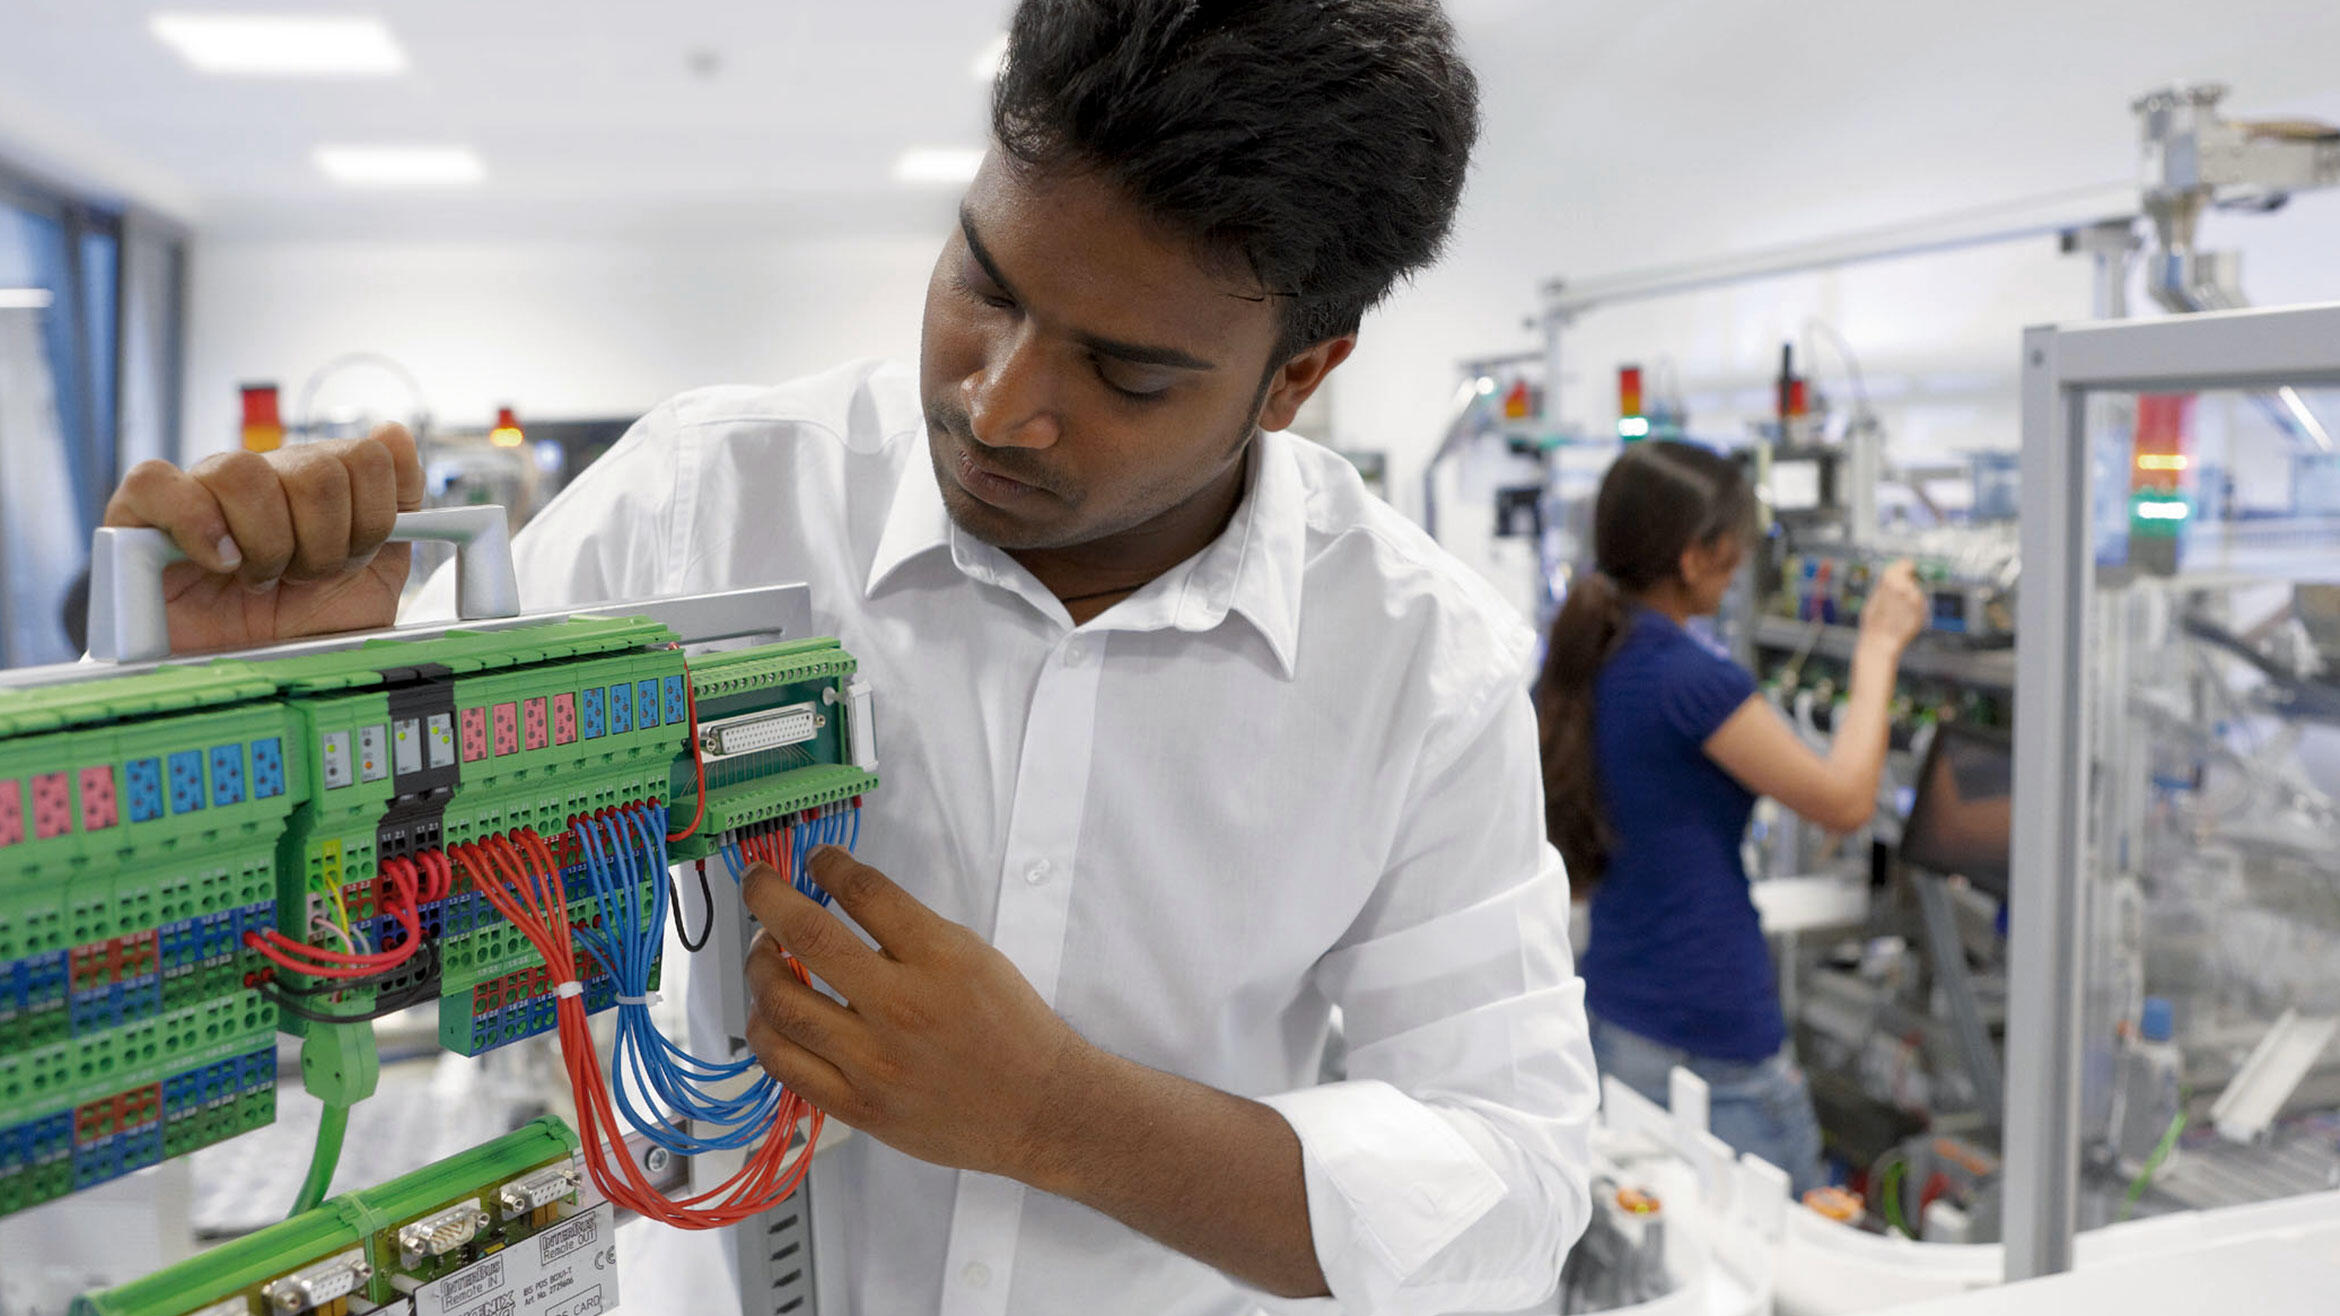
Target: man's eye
point(989, 296)
point(1135, 385)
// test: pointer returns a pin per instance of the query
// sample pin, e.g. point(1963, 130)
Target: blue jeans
point(1760, 1106)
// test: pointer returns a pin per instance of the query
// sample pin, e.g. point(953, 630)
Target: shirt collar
point(917, 523)
point(1253, 568)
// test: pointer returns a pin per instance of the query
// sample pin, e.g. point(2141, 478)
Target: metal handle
point(128, 621)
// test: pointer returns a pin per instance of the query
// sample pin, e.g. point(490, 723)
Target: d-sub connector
point(440, 1232)
point(540, 1189)
point(313, 1287)
point(770, 729)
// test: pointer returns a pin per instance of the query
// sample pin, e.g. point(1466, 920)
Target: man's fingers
point(892, 915)
point(318, 494)
point(373, 496)
point(799, 1070)
point(763, 891)
point(160, 495)
point(251, 497)
point(811, 933)
point(789, 1005)
point(406, 467)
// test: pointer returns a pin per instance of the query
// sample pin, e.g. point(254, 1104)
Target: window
point(90, 322)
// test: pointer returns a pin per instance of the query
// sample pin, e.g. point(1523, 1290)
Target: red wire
point(323, 962)
point(522, 882)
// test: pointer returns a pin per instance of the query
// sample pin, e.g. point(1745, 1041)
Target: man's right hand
point(280, 545)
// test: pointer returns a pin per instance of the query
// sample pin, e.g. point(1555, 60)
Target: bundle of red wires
point(776, 847)
point(519, 875)
point(413, 884)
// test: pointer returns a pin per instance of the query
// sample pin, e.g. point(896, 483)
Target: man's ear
point(1299, 377)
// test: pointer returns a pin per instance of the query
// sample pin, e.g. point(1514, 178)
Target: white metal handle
point(128, 621)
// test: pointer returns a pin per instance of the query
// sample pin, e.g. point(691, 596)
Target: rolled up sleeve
point(1449, 1172)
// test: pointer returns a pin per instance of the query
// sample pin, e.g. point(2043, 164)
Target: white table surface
point(2283, 1275)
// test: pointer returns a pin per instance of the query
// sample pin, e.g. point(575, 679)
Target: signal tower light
point(1631, 423)
point(507, 433)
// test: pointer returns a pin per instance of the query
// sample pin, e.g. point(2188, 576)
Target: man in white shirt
point(1187, 740)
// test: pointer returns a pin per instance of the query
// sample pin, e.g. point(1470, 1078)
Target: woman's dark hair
point(1658, 499)
point(1318, 145)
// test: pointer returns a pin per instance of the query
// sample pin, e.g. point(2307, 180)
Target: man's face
point(1084, 371)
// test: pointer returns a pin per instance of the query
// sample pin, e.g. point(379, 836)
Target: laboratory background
point(2043, 298)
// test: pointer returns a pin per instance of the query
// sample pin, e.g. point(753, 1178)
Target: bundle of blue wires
point(651, 1075)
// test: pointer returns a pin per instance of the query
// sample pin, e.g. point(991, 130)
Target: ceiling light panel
point(401, 166)
point(281, 45)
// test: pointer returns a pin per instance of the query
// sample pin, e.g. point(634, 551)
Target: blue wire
point(652, 1074)
point(647, 1063)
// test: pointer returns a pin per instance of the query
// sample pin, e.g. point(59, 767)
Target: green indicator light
point(2157, 514)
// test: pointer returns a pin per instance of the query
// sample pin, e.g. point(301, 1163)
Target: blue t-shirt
point(1677, 953)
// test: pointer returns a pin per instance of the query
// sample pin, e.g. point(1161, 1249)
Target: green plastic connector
point(732, 807)
point(340, 1065)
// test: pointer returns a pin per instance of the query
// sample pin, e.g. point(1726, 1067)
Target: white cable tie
point(570, 988)
point(646, 999)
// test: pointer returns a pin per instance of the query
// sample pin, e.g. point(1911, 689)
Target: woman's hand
point(1895, 611)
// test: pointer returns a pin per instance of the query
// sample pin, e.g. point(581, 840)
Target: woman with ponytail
point(1655, 749)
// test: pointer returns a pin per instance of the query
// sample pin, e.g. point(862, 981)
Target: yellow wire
point(340, 906)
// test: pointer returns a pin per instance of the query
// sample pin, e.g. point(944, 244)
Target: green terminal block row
point(138, 826)
point(376, 1246)
point(150, 824)
point(759, 788)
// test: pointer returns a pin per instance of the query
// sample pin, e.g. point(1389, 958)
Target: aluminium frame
point(2063, 366)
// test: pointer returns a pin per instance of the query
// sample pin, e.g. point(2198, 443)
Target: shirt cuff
point(1390, 1184)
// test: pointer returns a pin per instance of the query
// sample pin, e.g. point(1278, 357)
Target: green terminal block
point(370, 1249)
point(809, 679)
point(152, 826)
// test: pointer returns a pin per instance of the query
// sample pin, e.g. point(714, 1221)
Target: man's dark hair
point(1320, 144)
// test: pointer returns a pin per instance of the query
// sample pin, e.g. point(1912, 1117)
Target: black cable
point(2310, 696)
point(280, 995)
point(674, 902)
point(382, 1009)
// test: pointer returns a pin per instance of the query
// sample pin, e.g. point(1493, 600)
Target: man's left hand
point(940, 1049)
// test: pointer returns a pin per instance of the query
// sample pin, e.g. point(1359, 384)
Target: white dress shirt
point(1296, 772)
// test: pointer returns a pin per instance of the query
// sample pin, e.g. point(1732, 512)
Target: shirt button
point(976, 1274)
point(1037, 873)
point(1076, 651)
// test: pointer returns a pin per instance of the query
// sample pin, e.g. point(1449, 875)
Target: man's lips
point(989, 485)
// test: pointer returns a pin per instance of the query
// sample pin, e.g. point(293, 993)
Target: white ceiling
point(1616, 133)
point(572, 103)
point(1625, 134)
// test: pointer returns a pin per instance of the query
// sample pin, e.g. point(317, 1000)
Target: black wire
point(706, 897)
point(280, 995)
point(383, 1008)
